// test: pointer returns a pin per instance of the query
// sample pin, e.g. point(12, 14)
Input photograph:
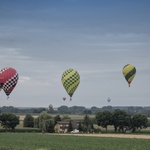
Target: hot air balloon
point(64, 98)
point(108, 99)
point(129, 72)
point(70, 80)
point(8, 80)
point(50, 106)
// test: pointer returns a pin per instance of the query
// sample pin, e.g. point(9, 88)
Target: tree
point(108, 108)
point(36, 122)
point(104, 118)
point(87, 124)
point(80, 127)
point(50, 109)
point(70, 128)
point(94, 109)
point(50, 126)
point(57, 118)
point(87, 111)
point(139, 121)
point(86, 120)
point(28, 121)
point(9, 120)
point(63, 110)
point(120, 120)
point(76, 109)
point(39, 110)
point(43, 118)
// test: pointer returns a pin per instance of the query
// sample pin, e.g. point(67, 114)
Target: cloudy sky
point(43, 38)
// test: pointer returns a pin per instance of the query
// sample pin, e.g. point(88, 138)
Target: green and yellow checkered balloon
point(70, 80)
point(129, 72)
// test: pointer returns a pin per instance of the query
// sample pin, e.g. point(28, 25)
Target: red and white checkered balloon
point(8, 79)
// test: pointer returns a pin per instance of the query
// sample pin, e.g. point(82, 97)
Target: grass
point(38, 141)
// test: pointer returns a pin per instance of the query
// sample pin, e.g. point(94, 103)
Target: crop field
point(39, 141)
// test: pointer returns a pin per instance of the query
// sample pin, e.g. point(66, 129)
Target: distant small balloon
point(64, 98)
point(108, 99)
point(50, 106)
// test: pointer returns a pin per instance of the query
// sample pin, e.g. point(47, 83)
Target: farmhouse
point(62, 126)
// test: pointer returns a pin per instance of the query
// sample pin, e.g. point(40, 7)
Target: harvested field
point(137, 136)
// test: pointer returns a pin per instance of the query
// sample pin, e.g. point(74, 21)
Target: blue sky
point(41, 39)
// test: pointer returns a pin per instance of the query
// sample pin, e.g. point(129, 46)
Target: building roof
point(65, 123)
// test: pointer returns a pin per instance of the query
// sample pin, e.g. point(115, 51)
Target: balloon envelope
point(8, 79)
point(129, 72)
point(70, 80)
point(64, 98)
point(108, 99)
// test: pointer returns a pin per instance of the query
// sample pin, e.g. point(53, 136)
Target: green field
point(39, 141)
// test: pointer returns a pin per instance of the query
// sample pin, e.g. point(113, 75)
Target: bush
point(9, 121)
point(35, 130)
point(28, 121)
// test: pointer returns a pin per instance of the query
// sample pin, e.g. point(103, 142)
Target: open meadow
point(39, 141)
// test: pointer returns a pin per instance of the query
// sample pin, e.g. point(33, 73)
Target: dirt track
point(114, 135)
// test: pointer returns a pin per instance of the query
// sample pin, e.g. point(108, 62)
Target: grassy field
point(39, 141)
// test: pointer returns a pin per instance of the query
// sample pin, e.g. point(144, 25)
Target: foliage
point(70, 127)
point(57, 118)
point(36, 122)
point(148, 124)
point(108, 108)
point(94, 109)
point(43, 118)
point(87, 124)
point(8, 109)
point(50, 126)
point(77, 109)
point(22, 130)
point(28, 121)
point(50, 109)
point(36, 141)
point(63, 110)
point(9, 120)
point(104, 118)
point(132, 110)
point(139, 121)
point(87, 111)
point(38, 110)
point(120, 120)
point(46, 122)
point(86, 120)
point(80, 127)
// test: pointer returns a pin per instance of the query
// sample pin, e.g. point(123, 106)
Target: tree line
point(132, 110)
point(119, 119)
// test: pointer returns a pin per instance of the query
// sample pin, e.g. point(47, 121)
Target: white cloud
point(23, 79)
point(11, 54)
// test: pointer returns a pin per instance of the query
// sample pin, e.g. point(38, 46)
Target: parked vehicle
point(75, 131)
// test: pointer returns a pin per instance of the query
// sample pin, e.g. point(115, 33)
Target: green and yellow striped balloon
point(70, 80)
point(129, 72)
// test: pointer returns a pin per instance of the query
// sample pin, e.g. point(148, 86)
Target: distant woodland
point(132, 110)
